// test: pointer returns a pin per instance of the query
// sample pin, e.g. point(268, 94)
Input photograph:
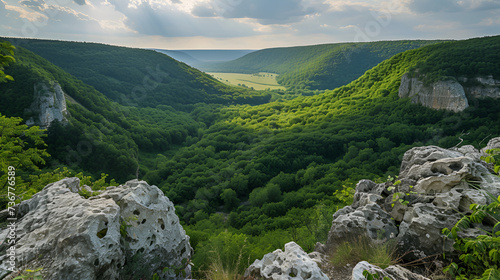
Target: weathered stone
point(292, 264)
point(394, 272)
point(367, 192)
point(415, 157)
point(448, 95)
point(489, 87)
point(438, 170)
point(49, 104)
point(420, 232)
point(435, 189)
point(492, 144)
point(76, 238)
point(369, 219)
point(470, 151)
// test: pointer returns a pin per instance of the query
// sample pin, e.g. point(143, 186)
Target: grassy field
point(258, 81)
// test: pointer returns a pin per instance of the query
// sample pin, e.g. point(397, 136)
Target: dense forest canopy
point(139, 77)
point(241, 173)
point(317, 67)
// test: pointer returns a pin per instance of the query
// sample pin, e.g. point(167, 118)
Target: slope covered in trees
point(102, 135)
point(137, 77)
point(277, 166)
point(317, 67)
point(469, 58)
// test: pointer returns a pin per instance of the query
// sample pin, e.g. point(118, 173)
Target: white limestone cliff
point(49, 104)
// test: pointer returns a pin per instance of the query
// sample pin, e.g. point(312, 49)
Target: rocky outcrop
point(448, 94)
point(128, 229)
point(434, 190)
point(49, 104)
point(485, 87)
point(394, 272)
point(292, 264)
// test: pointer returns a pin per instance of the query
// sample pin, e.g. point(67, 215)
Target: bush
point(363, 248)
point(480, 256)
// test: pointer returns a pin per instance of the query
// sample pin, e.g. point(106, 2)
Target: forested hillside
point(137, 77)
point(317, 67)
point(113, 135)
point(250, 178)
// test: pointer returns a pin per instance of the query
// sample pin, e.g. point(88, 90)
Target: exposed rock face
point(448, 95)
point(394, 272)
point(436, 187)
point(488, 87)
point(292, 264)
point(49, 105)
point(369, 219)
point(76, 238)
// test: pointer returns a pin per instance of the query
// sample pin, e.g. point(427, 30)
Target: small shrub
point(30, 275)
point(374, 276)
point(363, 248)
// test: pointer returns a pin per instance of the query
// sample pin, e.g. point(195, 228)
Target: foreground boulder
point(434, 190)
point(394, 272)
point(292, 264)
point(126, 230)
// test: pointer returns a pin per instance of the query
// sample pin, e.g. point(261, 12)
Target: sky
point(246, 24)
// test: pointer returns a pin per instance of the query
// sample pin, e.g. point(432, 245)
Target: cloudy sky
point(246, 24)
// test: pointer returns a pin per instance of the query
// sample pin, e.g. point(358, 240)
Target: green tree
point(21, 150)
point(230, 199)
point(6, 57)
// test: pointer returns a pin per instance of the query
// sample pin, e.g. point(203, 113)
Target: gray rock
point(436, 187)
point(369, 219)
point(420, 232)
point(76, 238)
point(492, 144)
point(292, 264)
point(488, 87)
point(418, 156)
point(448, 95)
point(394, 272)
point(49, 105)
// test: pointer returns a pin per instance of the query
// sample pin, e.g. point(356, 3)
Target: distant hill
point(180, 56)
point(321, 67)
point(139, 77)
point(198, 58)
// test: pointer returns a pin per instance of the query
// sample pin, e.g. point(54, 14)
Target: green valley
point(258, 81)
point(248, 175)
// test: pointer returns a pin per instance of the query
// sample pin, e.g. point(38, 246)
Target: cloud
point(166, 20)
point(34, 4)
point(433, 6)
point(243, 23)
point(264, 11)
point(204, 11)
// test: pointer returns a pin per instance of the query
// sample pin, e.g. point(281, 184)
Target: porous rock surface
point(291, 264)
point(394, 272)
point(436, 187)
point(76, 238)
